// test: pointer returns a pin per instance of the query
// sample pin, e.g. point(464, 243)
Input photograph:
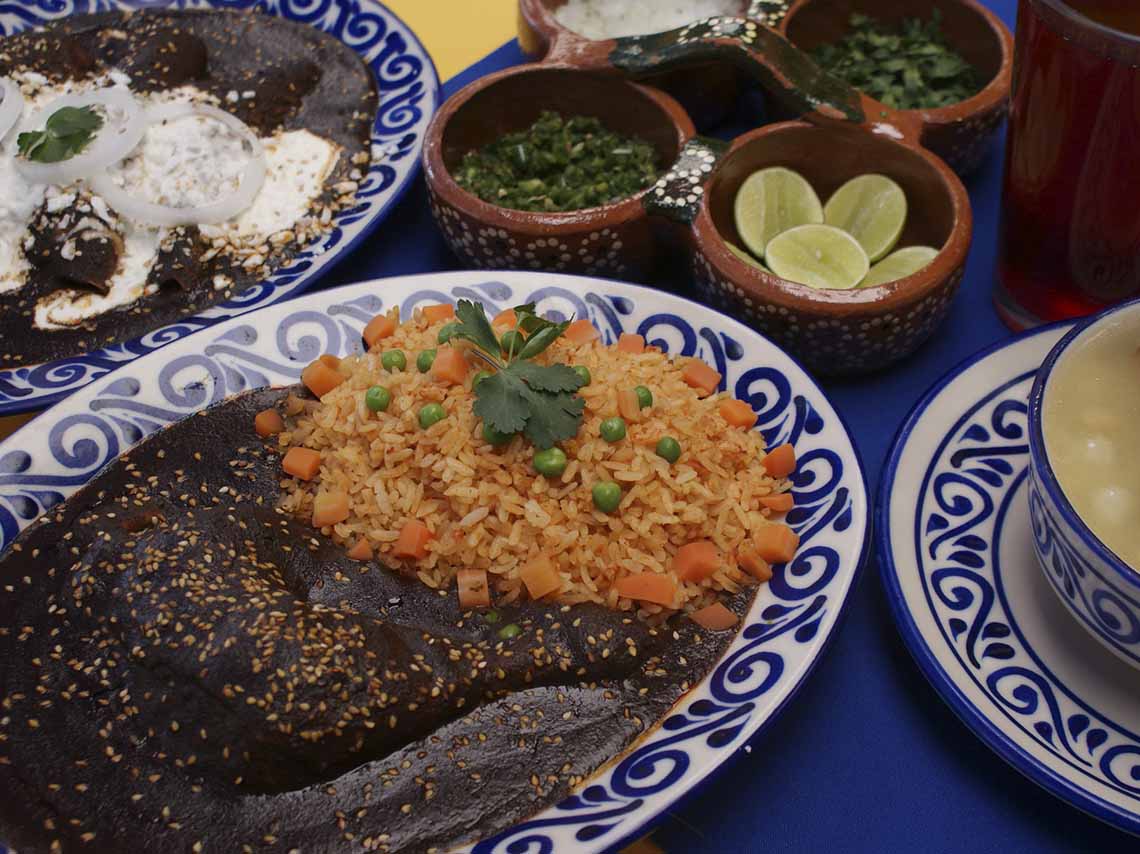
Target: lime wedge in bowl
point(872, 209)
point(898, 265)
point(819, 256)
point(746, 257)
point(772, 201)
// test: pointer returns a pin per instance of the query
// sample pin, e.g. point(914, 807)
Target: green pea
point(607, 496)
point(551, 462)
point(447, 332)
point(512, 342)
point(394, 360)
point(491, 617)
point(644, 396)
point(583, 374)
point(494, 437)
point(478, 378)
point(425, 360)
point(377, 398)
point(613, 429)
point(510, 630)
point(669, 449)
point(431, 414)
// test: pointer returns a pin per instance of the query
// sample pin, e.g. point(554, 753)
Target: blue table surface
point(867, 757)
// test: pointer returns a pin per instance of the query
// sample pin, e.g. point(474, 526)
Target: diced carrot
point(413, 540)
point(474, 590)
point(696, 561)
point(438, 312)
point(540, 576)
point(581, 332)
point(700, 376)
point(714, 617)
point(737, 413)
point(268, 422)
point(361, 550)
point(629, 407)
point(450, 366)
point(780, 462)
point(330, 508)
point(629, 342)
point(776, 543)
point(380, 327)
point(505, 319)
point(304, 463)
point(320, 379)
point(781, 502)
point(754, 565)
point(648, 587)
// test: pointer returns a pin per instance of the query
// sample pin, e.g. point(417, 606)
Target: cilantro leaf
point(66, 133)
point(549, 378)
point(554, 418)
point(474, 327)
point(501, 401)
point(542, 339)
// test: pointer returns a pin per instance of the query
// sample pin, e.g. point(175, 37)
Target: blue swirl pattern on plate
point(791, 620)
point(409, 96)
point(980, 465)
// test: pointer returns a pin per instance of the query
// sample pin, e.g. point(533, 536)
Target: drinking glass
point(1070, 232)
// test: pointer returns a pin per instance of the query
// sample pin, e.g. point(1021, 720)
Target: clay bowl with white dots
point(835, 332)
point(960, 133)
point(616, 240)
point(707, 90)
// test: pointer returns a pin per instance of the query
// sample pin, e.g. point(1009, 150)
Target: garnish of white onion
point(12, 105)
point(123, 127)
point(225, 208)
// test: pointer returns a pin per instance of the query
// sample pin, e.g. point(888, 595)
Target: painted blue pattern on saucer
point(790, 623)
point(409, 95)
point(955, 543)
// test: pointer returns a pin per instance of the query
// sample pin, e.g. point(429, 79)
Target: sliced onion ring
point(12, 107)
point(113, 141)
point(221, 210)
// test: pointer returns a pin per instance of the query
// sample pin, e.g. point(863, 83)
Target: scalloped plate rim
point(434, 88)
point(757, 723)
point(945, 686)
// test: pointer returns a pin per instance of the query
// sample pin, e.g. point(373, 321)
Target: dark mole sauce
point(182, 663)
point(300, 77)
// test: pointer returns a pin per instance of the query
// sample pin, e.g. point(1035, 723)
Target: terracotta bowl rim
point(989, 96)
point(767, 288)
point(439, 179)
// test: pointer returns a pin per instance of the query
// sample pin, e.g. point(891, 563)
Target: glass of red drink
point(1070, 242)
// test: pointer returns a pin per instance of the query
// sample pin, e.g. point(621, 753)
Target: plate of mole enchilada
point(465, 561)
point(163, 169)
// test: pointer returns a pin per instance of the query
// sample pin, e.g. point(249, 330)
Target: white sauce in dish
point(185, 162)
point(1091, 424)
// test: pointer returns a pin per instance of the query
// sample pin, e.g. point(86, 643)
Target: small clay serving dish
point(615, 240)
point(960, 133)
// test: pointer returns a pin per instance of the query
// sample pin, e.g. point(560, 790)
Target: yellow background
point(457, 33)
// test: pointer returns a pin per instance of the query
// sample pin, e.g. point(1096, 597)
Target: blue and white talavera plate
point(790, 624)
point(409, 96)
point(955, 545)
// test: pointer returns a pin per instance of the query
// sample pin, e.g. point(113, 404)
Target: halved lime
point(872, 209)
point(820, 256)
point(770, 201)
point(898, 265)
point(746, 257)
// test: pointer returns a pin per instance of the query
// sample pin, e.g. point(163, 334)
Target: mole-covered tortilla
point(185, 667)
point(75, 274)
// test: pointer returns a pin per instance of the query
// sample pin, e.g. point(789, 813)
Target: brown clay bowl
point(615, 240)
point(836, 331)
point(707, 90)
point(960, 133)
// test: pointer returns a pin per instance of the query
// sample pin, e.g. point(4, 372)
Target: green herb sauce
point(559, 164)
point(908, 68)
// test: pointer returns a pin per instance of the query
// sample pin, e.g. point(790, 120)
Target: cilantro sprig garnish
point(67, 132)
point(522, 396)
